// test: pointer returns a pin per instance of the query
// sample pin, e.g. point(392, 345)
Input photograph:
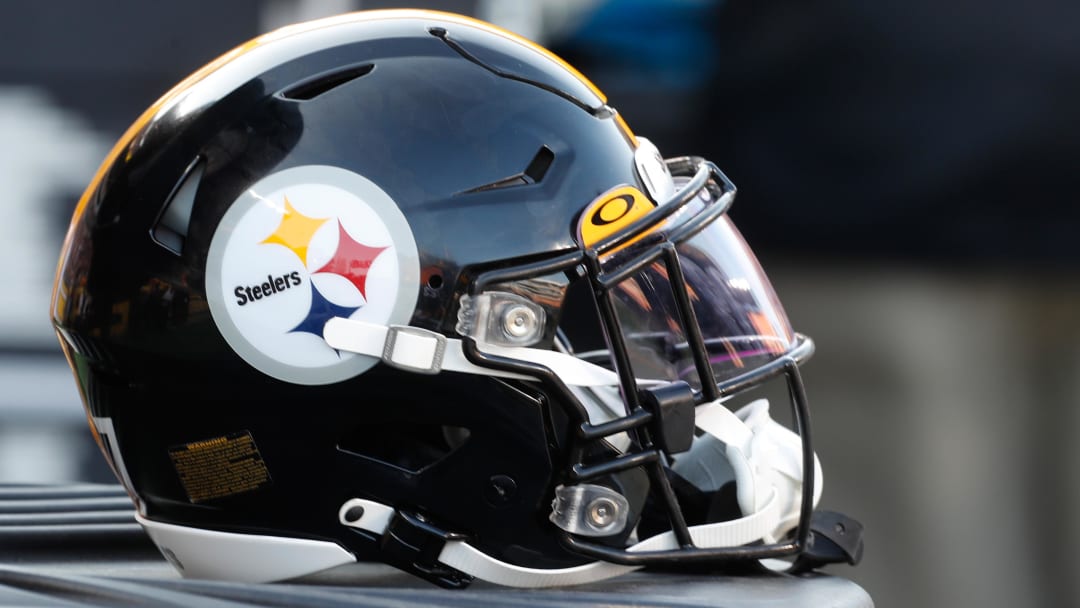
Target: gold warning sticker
point(612, 211)
point(219, 467)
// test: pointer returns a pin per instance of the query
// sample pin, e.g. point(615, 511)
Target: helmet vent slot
point(409, 447)
point(539, 165)
point(533, 173)
point(311, 88)
point(171, 226)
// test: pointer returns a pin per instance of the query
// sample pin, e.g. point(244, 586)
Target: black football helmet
point(401, 286)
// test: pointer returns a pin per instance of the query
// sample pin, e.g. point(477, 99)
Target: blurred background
point(907, 177)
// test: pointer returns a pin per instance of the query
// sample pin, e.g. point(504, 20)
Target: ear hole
point(313, 87)
point(409, 447)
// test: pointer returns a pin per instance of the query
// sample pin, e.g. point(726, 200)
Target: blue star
point(322, 310)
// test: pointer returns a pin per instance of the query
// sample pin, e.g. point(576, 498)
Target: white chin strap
point(765, 456)
point(427, 352)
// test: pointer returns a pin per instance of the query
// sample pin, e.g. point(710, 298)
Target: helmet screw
point(501, 490)
point(602, 512)
point(354, 514)
point(519, 321)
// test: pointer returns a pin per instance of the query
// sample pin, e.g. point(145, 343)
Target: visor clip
point(672, 406)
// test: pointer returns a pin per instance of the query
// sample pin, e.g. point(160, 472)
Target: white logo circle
point(300, 247)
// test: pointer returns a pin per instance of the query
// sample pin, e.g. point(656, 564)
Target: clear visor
point(741, 320)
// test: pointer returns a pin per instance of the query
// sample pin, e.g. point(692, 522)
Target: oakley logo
point(611, 212)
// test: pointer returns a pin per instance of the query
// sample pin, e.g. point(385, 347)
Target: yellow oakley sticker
point(611, 212)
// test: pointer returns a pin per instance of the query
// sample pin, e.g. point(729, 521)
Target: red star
point(352, 260)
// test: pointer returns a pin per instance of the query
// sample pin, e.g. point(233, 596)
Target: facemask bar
point(639, 420)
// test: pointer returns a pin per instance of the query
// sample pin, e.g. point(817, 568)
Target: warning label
point(221, 466)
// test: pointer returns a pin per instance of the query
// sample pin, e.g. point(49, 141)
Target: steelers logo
point(298, 248)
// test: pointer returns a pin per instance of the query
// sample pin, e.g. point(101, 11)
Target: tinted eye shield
point(651, 239)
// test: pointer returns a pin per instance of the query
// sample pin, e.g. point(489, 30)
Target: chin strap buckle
point(414, 349)
point(406, 540)
point(414, 544)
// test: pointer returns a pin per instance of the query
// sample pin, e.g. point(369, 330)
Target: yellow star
point(295, 231)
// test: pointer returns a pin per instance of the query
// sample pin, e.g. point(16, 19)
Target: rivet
point(354, 514)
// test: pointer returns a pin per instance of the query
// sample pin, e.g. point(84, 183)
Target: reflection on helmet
point(400, 286)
